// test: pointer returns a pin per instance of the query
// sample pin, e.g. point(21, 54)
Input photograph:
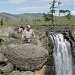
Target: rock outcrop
point(25, 56)
point(6, 31)
point(28, 57)
point(9, 31)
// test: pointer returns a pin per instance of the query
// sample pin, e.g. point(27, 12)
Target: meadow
point(57, 20)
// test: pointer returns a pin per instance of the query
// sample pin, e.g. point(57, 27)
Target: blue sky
point(33, 6)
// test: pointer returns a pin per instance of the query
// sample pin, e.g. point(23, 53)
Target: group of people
point(26, 33)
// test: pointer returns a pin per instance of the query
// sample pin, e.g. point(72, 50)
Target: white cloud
point(73, 12)
point(33, 9)
point(41, 1)
point(3, 2)
point(41, 5)
point(67, 2)
point(6, 12)
point(16, 1)
point(44, 7)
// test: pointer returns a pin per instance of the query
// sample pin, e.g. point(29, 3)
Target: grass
point(6, 74)
point(57, 20)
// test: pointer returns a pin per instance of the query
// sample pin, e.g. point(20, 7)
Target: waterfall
point(62, 55)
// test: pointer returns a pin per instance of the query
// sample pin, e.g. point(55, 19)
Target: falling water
point(62, 54)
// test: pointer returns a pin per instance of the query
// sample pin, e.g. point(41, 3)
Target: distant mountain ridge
point(18, 17)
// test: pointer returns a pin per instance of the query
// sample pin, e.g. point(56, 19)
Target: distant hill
point(24, 16)
point(28, 16)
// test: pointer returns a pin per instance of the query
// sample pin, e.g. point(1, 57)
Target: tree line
point(50, 15)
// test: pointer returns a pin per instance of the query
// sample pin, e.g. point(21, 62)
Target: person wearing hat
point(28, 34)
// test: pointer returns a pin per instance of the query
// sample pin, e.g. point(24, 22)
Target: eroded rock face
point(25, 56)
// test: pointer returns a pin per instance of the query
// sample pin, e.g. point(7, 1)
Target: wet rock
point(50, 71)
point(8, 68)
point(73, 70)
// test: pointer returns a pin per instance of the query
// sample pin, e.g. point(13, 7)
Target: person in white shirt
point(28, 34)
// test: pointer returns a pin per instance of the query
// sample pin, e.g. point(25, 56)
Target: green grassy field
point(60, 21)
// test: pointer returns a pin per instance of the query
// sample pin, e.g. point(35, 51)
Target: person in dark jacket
point(1, 22)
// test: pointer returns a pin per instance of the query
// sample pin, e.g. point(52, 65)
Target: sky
point(34, 6)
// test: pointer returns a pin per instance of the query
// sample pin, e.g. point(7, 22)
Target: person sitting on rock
point(20, 30)
point(28, 34)
point(16, 28)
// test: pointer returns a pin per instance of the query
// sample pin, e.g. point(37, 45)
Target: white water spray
point(62, 54)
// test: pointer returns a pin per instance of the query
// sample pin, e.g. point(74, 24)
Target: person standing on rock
point(28, 34)
point(1, 22)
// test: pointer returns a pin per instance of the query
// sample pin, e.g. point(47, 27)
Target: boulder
point(8, 68)
point(25, 56)
point(3, 58)
point(23, 73)
point(9, 31)
point(6, 31)
point(15, 35)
